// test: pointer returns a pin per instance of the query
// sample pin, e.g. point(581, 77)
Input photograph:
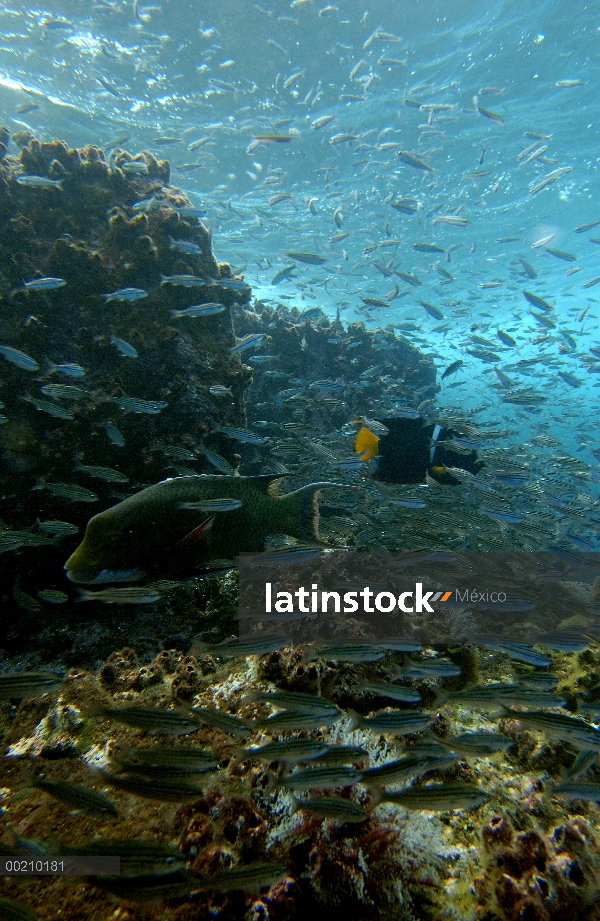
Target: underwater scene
point(313, 283)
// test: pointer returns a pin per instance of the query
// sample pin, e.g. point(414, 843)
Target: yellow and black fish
point(411, 450)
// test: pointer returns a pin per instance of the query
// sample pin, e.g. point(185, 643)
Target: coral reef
point(115, 227)
point(534, 877)
point(90, 235)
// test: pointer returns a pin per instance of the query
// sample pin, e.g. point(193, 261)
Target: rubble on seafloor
point(520, 856)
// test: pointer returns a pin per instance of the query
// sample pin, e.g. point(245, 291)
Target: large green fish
point(157, 524)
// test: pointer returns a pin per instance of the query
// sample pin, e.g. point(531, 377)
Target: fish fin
point(441, 696)
point(250, 698)
point(269, 482)
point(308, 507)
point(117, 575)
point(200, 648)
point(308, 499)
point(273, 487)
point(355, 719)
point(93, 710)
point(237, 755)
point(296, 805)
point(307, 655)
point(273, 785)
point(366, 444)
point(198, 533)
point(504, 712)
point(377, 795)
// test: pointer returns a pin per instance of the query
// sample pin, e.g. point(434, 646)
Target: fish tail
point(237, 755)
point(377, 795)
point(273, 784)
point(355, 719)
point(305, 504)
point(366, 444)
point(441, 697)
point(92, 710)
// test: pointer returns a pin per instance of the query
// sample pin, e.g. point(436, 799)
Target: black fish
point(410, 451)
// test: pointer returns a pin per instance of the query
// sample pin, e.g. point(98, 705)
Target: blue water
point(131, 74)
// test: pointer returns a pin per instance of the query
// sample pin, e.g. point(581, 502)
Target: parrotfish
point(139, 532)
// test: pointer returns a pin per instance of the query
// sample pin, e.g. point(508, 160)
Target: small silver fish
point(57, 528)
point(327, 777)
point(18, 358)
point(439, 797)
point(234, 647)
point(252, 340)
point(346, 652)
point(242, 435)
point(52, 596)
point(186, 281)
point(125, 294)
point(77, 796)
point(134, 167)
point(133, 405)
point(40, 182)
point(570, 729)
point(291, 720)
point(134, 594)
point(232, 725)
point(393, 691)
point(291, 751)
point(28, 684)
point(251, 877)
point(218, 462)
point(200, 310)
point(577, 790)
point(63, 392)
point(213, 505)
point(44, 284)
point(124, 348)
point(68, 368)
point(308, 258)
point(184, 246)
point(102, 473)
point(68, 491)
point(149, 719)
point(292, 700)
point(411, 765)
point(331, 807)
point(394, 722)
point(167, 758)
point(113, 434)
point(45, 406)
point(435, 668)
